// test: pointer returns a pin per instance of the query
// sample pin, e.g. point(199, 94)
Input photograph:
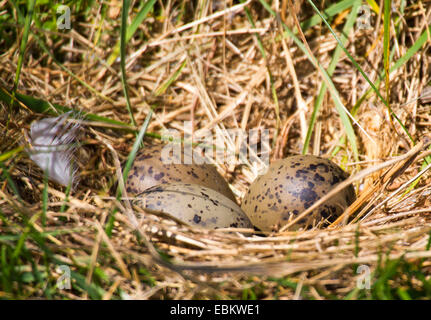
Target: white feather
point(52, 147)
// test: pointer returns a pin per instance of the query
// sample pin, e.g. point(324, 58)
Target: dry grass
point(225, 84)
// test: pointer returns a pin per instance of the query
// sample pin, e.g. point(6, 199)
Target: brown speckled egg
point(194, 205)
point(292, 185)
point(148, 170)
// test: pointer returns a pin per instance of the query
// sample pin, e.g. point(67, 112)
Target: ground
point(347, 80)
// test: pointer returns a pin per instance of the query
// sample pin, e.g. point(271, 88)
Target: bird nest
point(210, 71)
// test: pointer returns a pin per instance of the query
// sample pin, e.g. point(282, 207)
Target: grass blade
point(335, 58)
point(329, 12)
point(362, 72)
point(21, 18)
point(42, 106)
point(129, 162)
point(386, 39)
point(164, 86)
point(140, 17)
point(23, 46)
point(135, 148)
point(419, 43)
point(341, 109)
point(373, 4)
point(124, 13)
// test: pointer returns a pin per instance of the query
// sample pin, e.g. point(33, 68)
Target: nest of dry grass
point(226, 83)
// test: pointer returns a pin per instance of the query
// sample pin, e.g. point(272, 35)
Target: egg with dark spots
point(194, 205)
point(298, 181)
point(154, 166)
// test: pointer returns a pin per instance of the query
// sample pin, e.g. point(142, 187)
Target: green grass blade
point(23, 46)
point(95, 292)
point(140, 17)
point(135, 148)
point(124, 14)
point(129, 162)
point(329, 12)
point(58, 232)
point(373, 4)
point(6, 268)
point(277, 107)
point(66, 198)
point(403, 294)
point(45, 197)
point(164, 86)
point(341, 109)
point(20, 246)
point(419, 43)
point(253, 25)
point(374, 87)
point(428, 246)
point(21, 18)
point(335, 58)
point(386, 39)
point(357, 66)
point(11, 153)
point(42, 106)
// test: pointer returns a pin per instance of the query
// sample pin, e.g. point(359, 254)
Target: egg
point(292, 185)
point(149, 170)
point(194, 205)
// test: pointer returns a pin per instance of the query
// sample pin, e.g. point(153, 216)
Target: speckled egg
point(292, 185)
point(194, 205)
point(149, 170)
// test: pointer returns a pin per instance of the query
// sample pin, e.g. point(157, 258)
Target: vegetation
point(345, 79)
